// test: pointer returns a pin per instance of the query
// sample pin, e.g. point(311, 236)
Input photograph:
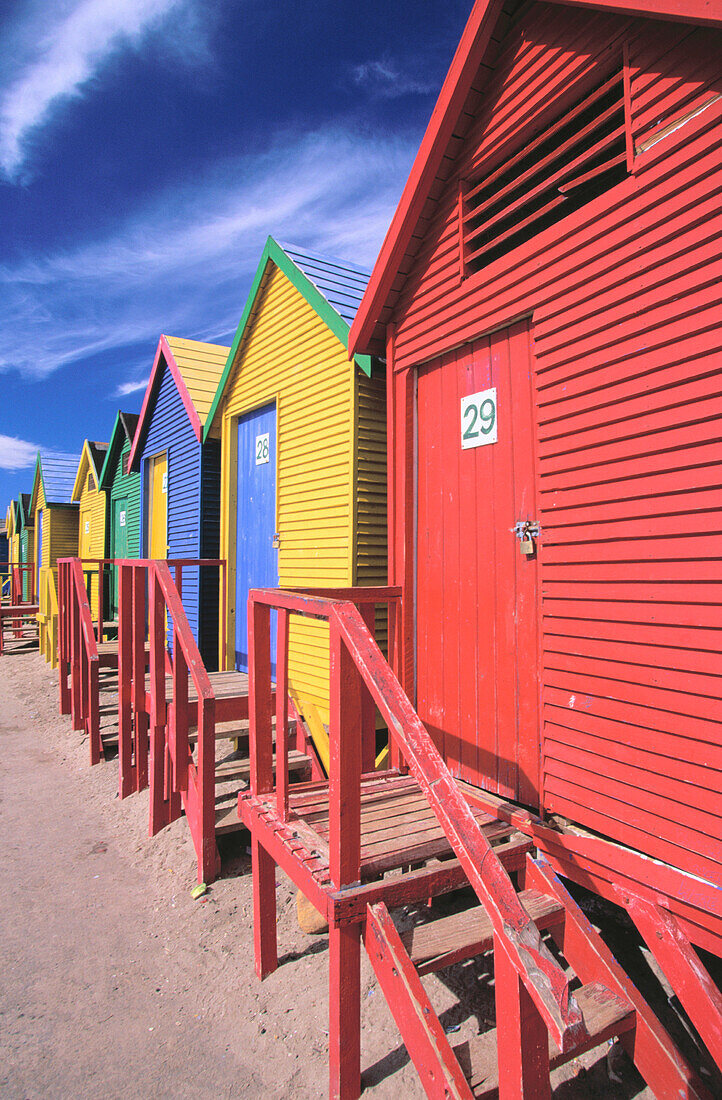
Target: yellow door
point(86, 533)
point(158, 498)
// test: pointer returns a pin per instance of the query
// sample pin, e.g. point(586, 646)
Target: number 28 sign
point(478, 419)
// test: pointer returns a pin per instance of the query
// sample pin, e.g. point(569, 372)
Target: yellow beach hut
point(92, 504)
point(56, 536)
point(303, 457)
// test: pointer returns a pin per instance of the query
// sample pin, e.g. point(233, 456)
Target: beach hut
point(92, 504)
point(180, 474)
point(26, 541)
point(12, 532)
point(303, 494)
point(56, 536)
point(548, 300)
point(122, 488)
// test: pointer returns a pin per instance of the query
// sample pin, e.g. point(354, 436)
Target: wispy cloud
point(126, 388)
point(183, 265)
point(384, 79)
point(69, 49)
point(16, 454)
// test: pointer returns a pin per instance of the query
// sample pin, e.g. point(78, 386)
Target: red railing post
point(158, 710)
point(101, 602)
point(282, 714)
point(179, 717)
point(222, 656)
point(344, 846)
point(138, 666)
point(208, 857)
point(368, 707)
point(74, 653)
point(63, 636)
point(125, 722)
point(522, 1035)
point(261, 760)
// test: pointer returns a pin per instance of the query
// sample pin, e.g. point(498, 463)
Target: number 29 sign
point(478, 419)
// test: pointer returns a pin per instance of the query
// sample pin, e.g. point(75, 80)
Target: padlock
point(526, 545)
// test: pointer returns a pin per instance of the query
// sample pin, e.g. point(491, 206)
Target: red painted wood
point(477, 603)
point(522, 1038)
point(625, 298)
point(345, 755)
point(282, 714)
point(264, 909)
point(682, 966)
point(125, 733)
point(661, 1064)
point(259, 696)
point(424, 1037)
point(344, 1012)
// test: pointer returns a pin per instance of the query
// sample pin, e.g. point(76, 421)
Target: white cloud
point(16, 454)
point(126, 388)
point(183, 265)
point(68, 53)
point(382, 78)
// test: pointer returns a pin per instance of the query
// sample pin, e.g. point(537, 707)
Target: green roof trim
point(274, 253)
point(33, 494)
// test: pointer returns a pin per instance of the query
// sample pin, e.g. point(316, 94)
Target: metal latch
point(277, 541)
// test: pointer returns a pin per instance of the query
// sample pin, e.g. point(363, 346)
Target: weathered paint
point(290, 349)
point(92, 504)
point(183, 381)
point(623, 297)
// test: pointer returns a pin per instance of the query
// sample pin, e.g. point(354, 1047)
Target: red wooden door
point(477, 625)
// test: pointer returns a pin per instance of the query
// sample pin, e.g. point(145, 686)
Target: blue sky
point(147, 149)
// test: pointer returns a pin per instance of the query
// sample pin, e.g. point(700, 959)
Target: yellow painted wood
point(91, 522)
point(158, 518)
point(201, 366)
point(289, 355)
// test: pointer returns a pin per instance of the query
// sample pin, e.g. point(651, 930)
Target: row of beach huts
point(419, 582)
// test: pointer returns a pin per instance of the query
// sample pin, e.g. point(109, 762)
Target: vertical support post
point(282, 714)
point(63, 637)
point(125, 724)
point(346, 715)
point(368, 707)
point(344, 1000)
point(75, 671)
point(208, 860)
point(93, 712)
point(522, 1036)
point(259, 697)
point(179, 718)
point(158, 816)
point(223, 656)
point(264, 910)
point(138, 664)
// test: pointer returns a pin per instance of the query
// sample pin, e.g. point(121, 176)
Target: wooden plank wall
point(625, 296)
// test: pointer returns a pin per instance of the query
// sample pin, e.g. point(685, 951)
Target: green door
point(119, 548)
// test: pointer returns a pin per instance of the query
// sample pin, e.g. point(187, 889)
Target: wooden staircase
point(490, 1065)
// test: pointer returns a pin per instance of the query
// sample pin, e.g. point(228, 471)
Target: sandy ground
point(116, 983)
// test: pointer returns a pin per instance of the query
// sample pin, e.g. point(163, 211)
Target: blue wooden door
point(256, 557)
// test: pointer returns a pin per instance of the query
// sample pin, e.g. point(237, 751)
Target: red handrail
point(358, 668)
point(78, 654)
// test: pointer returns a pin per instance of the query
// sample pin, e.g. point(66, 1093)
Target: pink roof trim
point(163, 355)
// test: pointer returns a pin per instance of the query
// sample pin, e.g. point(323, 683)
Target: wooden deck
point(398, 832)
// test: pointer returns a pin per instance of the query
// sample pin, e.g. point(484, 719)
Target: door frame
point(231, 521)
point(404, 391)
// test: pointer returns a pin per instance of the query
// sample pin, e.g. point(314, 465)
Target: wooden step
point(460, 936)
point(239, 771)
point(605, 1015)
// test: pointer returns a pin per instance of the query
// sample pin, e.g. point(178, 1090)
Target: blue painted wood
point(189, 465)
point(256, 558)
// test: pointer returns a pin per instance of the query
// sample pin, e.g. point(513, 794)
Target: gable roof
point(332, 287)
point(11, 515)
point(196, 368)
point(123, 431)
point(56, 471)
point(24, 509)
point(92, 457)
point(402, 241)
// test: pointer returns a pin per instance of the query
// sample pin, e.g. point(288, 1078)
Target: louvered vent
point(573, 161)
point(124, 462)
